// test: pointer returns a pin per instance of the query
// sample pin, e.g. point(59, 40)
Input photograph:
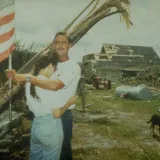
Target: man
point(64, 81)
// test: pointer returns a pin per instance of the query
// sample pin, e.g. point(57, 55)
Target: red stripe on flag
point(6, 53)
point(6, 36)
point(7, 19)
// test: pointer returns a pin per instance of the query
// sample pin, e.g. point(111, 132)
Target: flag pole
point(10, 87)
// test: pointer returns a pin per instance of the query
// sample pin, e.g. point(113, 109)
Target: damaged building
point(117, 61)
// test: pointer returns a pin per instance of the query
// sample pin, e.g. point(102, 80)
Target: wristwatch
point(28, 78)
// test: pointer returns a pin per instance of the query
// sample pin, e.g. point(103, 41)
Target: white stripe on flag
point(6, 11)
point(6, 28)
point(4, 46)
point(6, 25)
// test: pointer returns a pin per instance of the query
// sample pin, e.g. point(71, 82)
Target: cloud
point(39, 20)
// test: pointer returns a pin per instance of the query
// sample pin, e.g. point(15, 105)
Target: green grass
point(126, 134)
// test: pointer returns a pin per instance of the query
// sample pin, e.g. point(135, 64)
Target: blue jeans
point(66, 153)
point(46, 138)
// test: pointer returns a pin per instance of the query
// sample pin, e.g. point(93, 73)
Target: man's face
point(61, 45)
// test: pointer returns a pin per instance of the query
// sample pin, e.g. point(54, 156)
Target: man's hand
point(10, 73)
point(56, 112)
point(17, 78)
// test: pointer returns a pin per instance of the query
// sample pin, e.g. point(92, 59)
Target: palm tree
point(96, 11)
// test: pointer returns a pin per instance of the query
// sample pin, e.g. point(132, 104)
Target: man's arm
point(58, 112)
point(53, 85)
point(48, 84)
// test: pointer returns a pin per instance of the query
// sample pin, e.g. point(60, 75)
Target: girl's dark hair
point(42, 63)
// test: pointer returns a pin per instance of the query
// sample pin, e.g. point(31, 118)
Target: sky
point(38, 21)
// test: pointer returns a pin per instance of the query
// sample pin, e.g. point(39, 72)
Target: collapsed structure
point(117, 61)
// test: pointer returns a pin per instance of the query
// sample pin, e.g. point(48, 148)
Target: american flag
point(6, 28)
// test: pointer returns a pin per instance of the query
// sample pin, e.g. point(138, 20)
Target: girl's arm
point(58, 112)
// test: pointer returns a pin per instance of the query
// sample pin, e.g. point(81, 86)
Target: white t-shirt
point(69, 73)
point(44, 105)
